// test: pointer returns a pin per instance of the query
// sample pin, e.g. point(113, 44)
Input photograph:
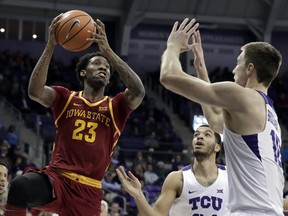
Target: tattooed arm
point(37, 89)
point(135, 91)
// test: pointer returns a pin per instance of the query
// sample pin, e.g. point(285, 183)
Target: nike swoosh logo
point(76, 104)
point(76, 22)
point(190, 192)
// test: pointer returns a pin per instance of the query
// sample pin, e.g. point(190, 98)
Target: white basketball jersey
point(197, 200)
point(254, 167)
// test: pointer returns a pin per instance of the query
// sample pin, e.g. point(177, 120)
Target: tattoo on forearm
point(40, 64)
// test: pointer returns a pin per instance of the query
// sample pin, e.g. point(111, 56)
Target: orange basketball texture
point(72, 31)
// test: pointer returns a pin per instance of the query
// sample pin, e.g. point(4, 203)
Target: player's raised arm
point(37, 89)
point(135, 91)
point(214, 115)
point(175, 79)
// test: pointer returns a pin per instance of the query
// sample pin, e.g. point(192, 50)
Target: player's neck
point(205, 172)
point(92, 95)
point(257, 86)
point(204, 168)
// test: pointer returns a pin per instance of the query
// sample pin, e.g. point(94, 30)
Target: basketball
point(72, 31)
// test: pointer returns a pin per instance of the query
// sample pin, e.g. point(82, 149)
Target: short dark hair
point(266, 59)
point(217, 135)
point(83, 62)
point(217, 139)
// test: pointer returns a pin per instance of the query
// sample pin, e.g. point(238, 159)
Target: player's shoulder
point(222, 171)
point(61, 89)
point(186, 168)
point(174, 175)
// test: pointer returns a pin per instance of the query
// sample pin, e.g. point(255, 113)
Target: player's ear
point(83, 73)
point(250, 69)
point(217, 147)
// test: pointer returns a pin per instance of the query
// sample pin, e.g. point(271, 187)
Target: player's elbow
point(166, 80)
point(141, 92)
point(33, 94)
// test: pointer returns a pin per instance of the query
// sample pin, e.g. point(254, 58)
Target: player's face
point(203, 143)
point(98, 71)
point(240, 75)
point(3, 178)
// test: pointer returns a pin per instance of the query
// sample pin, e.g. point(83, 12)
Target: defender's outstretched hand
point(179, 36)
point(129, 182)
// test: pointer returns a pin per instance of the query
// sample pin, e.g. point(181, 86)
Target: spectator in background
point(116, 158)
point(150, 176)
point(177, 162)
point(3, 186)
point(123, 198)
point(151, 142)
point(109, 183)
point(12, 137)
point(115, 209)
point(4, 156)
point(139, 159)
point(138, 171)
point(161, 172)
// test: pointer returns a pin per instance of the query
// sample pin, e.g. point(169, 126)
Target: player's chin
point(198, 152)
point(97, 82)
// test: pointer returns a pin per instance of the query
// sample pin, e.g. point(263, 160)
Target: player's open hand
point(100, 36)
point(180, 35)
point(129, 182)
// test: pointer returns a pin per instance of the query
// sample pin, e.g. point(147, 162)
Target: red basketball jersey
point(86, 132)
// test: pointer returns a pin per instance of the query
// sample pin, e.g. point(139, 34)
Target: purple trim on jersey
point(252, 142)
point(186, 167)
point(220, 166)
point(267, 99)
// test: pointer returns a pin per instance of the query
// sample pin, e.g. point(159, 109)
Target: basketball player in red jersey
point(88, 126)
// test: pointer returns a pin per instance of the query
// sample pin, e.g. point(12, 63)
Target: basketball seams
point(61, 27)
point(77, 32)
point(72, 30)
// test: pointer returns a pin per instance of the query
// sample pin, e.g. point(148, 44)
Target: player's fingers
point(101, 24)
point(99, 27)
point(56, 20)
point(183, 24)
point(199, 37)
point(189, 25)
point(194, 39)
point(121, 171)
point(193, 29)
point(131, 176)
point(175, 26)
